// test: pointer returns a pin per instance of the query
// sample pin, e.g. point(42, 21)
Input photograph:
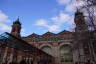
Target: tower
point(80, 21)
point(16, 28)
point(82, 37)
point(81, 29)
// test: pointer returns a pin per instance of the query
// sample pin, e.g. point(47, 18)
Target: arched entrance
point(66, 56)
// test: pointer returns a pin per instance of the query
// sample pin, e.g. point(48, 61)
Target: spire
point(78, 12)
point(80, 20)
point(18, 18)
point(17, 21)
point(16, 28)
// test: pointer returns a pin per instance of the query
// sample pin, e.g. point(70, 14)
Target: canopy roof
point(19, 44)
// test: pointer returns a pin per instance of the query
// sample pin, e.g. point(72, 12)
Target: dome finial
point(18, 18)
point(17, 21)
point(78, 12)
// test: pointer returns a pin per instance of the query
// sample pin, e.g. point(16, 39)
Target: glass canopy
point(19, 44)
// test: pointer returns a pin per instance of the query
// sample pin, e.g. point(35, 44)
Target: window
point(66, 54)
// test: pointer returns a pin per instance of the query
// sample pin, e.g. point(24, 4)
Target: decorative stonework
point(51, 41)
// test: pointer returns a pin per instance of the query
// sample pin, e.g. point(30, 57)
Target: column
point(19, 56)
point(5, 55)
point(11, 55)
point(56, 53)
point(2, 52)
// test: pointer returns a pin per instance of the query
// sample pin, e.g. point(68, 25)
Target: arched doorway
point(66, 55)
point(47, 49)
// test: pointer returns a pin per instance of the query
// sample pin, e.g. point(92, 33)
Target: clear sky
point(37, 16)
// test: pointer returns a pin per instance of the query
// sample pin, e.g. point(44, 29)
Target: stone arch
point(45, 45)
point(47, 48)
point(67, 43)
point(66, 55)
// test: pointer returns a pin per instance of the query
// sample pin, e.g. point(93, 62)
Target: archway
point(66, 55)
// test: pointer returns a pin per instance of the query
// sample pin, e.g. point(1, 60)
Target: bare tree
point(89, 9)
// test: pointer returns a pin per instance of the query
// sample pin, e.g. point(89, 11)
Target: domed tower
point(16, 28)
point(82, 37)
point(80, 21)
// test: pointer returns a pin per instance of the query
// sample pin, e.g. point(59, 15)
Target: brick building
point(67, 47)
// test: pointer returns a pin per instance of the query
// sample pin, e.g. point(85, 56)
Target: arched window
point(47, 49)
point(66, 54)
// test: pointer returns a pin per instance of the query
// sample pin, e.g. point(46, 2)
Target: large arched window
point(47, 49)
point(66, 54)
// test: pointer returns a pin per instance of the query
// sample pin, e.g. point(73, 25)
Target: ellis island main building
point(63, 48)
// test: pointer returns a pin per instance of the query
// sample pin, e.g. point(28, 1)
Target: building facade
point(58, 45)
point(66, 47)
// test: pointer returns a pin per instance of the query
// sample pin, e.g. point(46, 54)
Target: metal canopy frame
point(19, 44)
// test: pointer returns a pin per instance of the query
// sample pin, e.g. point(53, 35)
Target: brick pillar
point(56, 53)
point(19, 56)
point(2, 52)
point(11, 55)
point(8, 55)
point(5, 55)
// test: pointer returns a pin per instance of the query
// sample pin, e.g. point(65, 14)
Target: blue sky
point(37, 16)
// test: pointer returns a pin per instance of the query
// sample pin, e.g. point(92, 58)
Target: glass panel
point(10, 41)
